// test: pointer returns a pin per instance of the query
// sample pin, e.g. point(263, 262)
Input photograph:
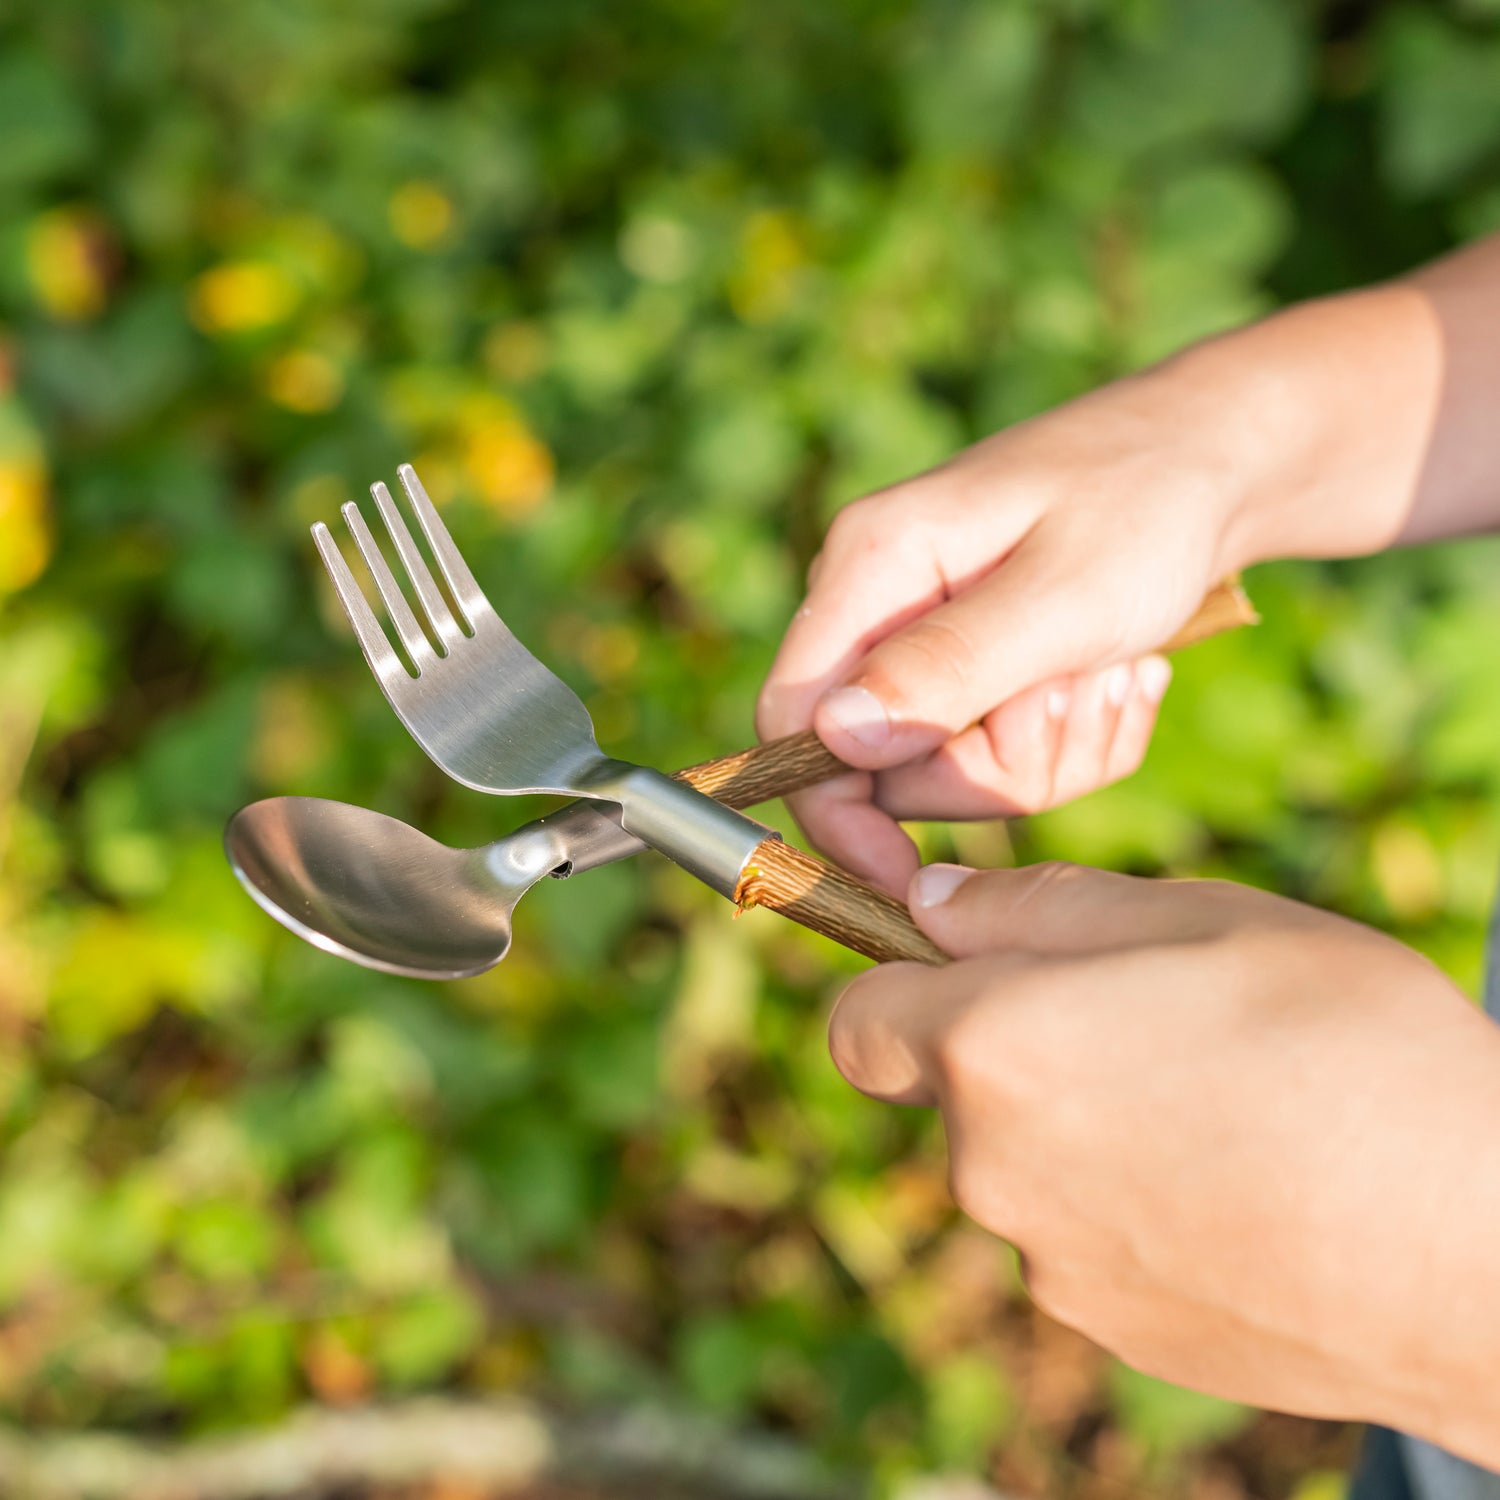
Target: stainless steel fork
point(490, 714)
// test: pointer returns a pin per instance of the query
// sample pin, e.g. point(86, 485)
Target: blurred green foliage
point(647, 294)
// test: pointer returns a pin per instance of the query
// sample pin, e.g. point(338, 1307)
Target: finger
point(860, 588)
point(1051, 909)
point(1093, 714)
point(1032, 618)
point(879, 570)
point(1138, 718)
point(839, 819)
point(1000, 768)
point(886, 1028)
point(1007, 766)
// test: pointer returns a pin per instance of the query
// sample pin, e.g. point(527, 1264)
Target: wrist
point(1314, 423)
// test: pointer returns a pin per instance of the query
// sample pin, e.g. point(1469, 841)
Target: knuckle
point(861, 1041)
point(1126, 764)
point(1115, 636)
point(773, 714)
point(1047, 880)
point(851, 528)
point(1062, 1297)
point(935, 650)
point(1033, 793)
point(953, 1055)
point(974, 1189)
point(846, 1034)
point(965, 1051)
point(1026, 772)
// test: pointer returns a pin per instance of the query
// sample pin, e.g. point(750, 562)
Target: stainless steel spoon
point(374, 890)
point(370, 888)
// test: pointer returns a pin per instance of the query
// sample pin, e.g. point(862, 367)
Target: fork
point(490, 714)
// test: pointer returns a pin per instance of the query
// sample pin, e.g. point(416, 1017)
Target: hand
point(1247, 1146)
point(1077, 541)
point(972, 635)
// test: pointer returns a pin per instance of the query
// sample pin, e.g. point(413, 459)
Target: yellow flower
point(66, 259)
point(611, 651)
point(243, 296)
point(511, 468)
point(293, 738)
point(25, 533)
point(441, 476)
point(25, 540)
point(515, 352)
point(1407, 869)
point(507, 463)
point(773, 254)
point(304, 381)
point(421, 214)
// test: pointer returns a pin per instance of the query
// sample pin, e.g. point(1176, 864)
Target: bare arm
point(1381, 405)
point(945, 614)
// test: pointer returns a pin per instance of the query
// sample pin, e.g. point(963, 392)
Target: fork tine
point(418, 647)
point(434, 606)
point(461, 582)
point(384, 662)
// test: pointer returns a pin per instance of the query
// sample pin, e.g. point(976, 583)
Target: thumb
point(886, 1031)
point(1028, 620)
point(1048, 909)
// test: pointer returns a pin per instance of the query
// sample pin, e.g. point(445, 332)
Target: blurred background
point(646, 293)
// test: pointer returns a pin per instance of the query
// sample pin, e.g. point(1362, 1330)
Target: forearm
point(1357, 422)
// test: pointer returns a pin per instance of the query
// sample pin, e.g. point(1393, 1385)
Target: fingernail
point(1057, 702)
point(1153, 674)
point(1117, 683)
point(858, 712)
point(934, 884)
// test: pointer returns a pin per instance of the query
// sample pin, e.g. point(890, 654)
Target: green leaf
point(42, 120)
point(1180, 74)
point(225, 1240)
point(1232, 215)
point(970, 89)
point(970, 1405)
point(420, 1339)
point(720, 1359)
point(535, 1169)
point(234, 585)
point(611, 1071)
point(865, 1373)
point(194, 766)
point(1440, 113)
point(1167, 1420)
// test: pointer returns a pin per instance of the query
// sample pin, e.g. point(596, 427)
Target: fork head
point(491, 715)
point(471, 695)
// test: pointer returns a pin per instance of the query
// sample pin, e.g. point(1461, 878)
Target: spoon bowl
point(371, 888)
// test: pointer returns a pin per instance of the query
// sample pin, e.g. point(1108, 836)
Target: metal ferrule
point(706, 838)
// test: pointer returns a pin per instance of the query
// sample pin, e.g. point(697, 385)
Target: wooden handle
point(796, 761)
point(1226, 606)
point(825, 898)
point(776, 769)
point(834, 903)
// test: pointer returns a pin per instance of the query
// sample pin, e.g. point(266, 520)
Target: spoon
point(370, 888)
